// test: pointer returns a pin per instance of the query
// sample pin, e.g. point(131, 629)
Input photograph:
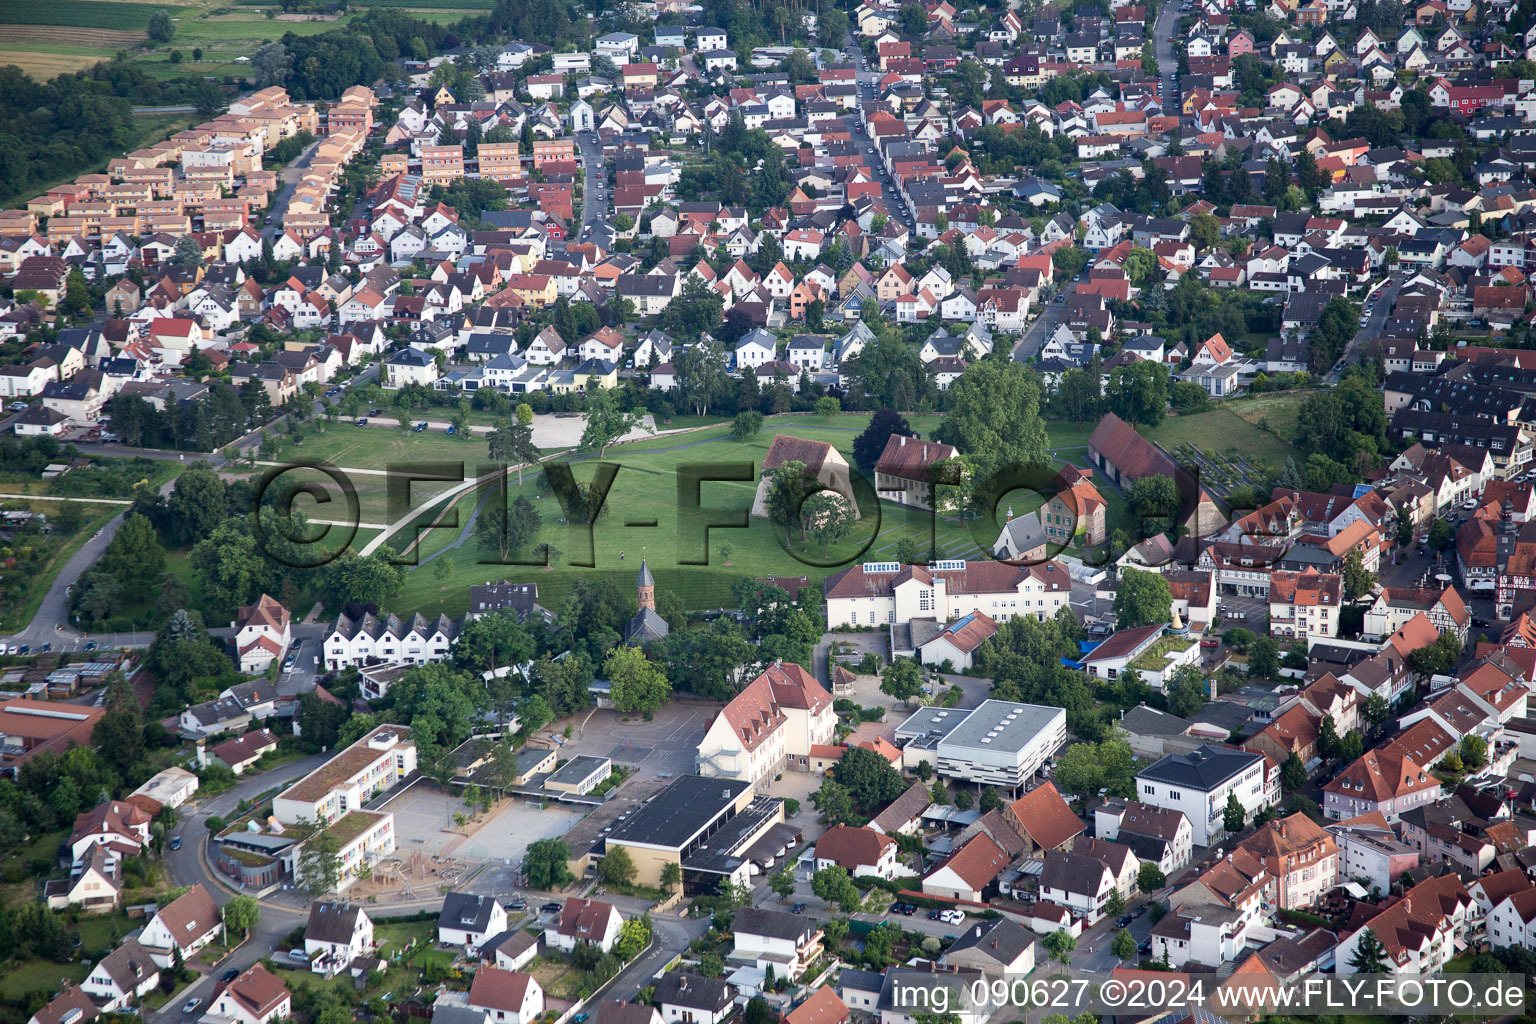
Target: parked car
point(452, 429)
point(1480, 623)
point(798, 908)
point(191, 1005)
point(25, 649)
point(90, 645)
point(47, 646)
point(1145, 949)
point(229, 975)
point(362, 421)
point(952, 917)
point(1210, 641)
point(1124, 922)
point(175, 842)
point(517, 903)
point(550, 908)
point(421, 426)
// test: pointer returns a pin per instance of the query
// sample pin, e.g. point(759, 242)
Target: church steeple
point(645, 587)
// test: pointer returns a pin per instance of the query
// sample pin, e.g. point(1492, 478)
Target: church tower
point(645, 587)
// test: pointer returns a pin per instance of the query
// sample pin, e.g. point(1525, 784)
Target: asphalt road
point(1163, 31)
point(1353, 352)
point(289, 176)
point(1044, 324)
point(594, 204)
point(867, 77)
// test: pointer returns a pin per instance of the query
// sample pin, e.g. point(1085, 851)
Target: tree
point(606, 422)
point(1358, 580)
point(1370, 956)
point(1293, 774)
point(902, 679)
point(198, 503)
point(187, 253)
point(1124, 945)
point(1150, 877)
point(638, 683)
point(1441, 536)
point(1060, 945)
point(828, 517)
point(671, 875)
point(134, 558)
point(1328, 739)
point(513, 442)
point(1263, 658)
point(1138, 393)
point(1153, 505)
point(160, 28)
point(828, 407)
point(319, 867)
point(1142, 599)
point(1186, 696)
point(788, 488)
point(270, 64)
point(869, 778)
point(544, 864)
point(782, 883)
point(617, 867)
point(833, 885)
point(1114, 906)
point(747, 424)
point(1474, 751)
point(242, 913)
point(993, 415)
point(1232, 815)
point(871, 442)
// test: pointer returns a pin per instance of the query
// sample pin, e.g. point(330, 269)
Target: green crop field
point(79, 13)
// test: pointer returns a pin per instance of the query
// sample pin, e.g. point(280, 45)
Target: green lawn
point(30, 591)
point(39, 975)
point(79, 13)
point(1275, 412)
point(645, 489)
point(1231, 427)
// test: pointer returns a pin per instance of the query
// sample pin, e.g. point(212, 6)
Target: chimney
point(903, 443)
point(1282, 830)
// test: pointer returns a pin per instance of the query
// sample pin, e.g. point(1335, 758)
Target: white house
point(859, 851)
point(1081, 884)
point(186, 924)
point(468, 920)
point(122, 976)
point(350, 779)
point(755, 348)
point(262, 635)
point(507, 997)
point(411, 366)
point(1199, 782)
point(585, 921)
point(337, 934)
point(788, 942)
point(255, 997)
point(686, 998)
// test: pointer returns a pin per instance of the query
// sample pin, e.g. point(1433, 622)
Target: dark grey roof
point(775, 924)
point(1145, 721)
point(1071, 872)
point(1204, 768)
point(466, 912)
point(680, 988)
point(1003, 940)
point(332, 922)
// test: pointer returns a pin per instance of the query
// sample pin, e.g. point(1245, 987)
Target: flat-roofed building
point(347, 781)
point(707, 826)
point(1000, 743)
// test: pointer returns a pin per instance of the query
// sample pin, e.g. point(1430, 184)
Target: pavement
point(1045, 322)
point(289, 176)
point(1163, 31)
point(1381, 299)
point(867, 77)
point(595, 200)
